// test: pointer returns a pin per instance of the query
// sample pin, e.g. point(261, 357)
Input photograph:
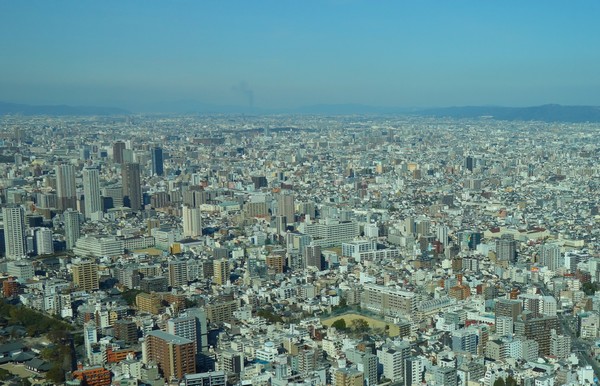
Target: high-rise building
point(392, 357)
point(177, 273)
point(286, 206)
point(91, 191)
point(43, 241)
point(85, 275)
point(192, 221)
point(72, 227)
point(312, 256)
point(157, 161)
point(510, 308)
point(220, 271)
point(118, 148)
point(184, 327)
point(66, 190)
point(132, 188)
point(445, 376)
point(14, 231)
point(537, 329)
point(506, 248)
point(174, 355)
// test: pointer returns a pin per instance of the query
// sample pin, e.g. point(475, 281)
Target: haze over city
point(160, 56)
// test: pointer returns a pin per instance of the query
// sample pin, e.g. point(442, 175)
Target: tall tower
point(132, 188)
point(118, 148)
point(72, 227)
point(66, 190)
point(91, 190)
point(157, 161)
point(286, 206)
point(192, 222)
point(14, 231)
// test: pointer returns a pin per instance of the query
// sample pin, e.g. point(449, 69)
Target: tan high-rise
point(85, 275)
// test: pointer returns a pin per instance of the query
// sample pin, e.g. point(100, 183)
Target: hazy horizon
point(145, 56)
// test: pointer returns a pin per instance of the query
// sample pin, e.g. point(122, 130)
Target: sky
point(281, 54)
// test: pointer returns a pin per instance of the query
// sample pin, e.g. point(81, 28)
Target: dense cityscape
point(298, 250)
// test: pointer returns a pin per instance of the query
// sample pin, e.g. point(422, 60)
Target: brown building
point(10, 287)
point(174, 355)
point(85, 275)
point(126, 330)
point(537, 329)
point(276, 263)
point(221, 312)
point(92, 376)
point(150, 303)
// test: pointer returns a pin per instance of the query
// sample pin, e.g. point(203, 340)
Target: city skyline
point(282, 55)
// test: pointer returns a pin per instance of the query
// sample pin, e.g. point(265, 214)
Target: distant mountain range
point(56, 110)
point(544, 113)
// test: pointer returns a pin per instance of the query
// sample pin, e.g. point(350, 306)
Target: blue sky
point(143, 55)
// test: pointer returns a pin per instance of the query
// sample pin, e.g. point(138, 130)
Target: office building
point(85, 275)
point(14, 232)
point(72, 227)
point(66, 190)
point(174, 355)
point(118, 148)
point(132, 188)
point(157, 161)
point(91, 191)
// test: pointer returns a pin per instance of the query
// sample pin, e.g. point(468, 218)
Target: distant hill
point(545, 113)
point(16, 108)
point(348, 109)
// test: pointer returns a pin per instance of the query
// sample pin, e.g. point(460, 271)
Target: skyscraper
point(66, 190)
point(286, 206)
point(14, 231)
point(132, 189)
point(118, 148)
point(192, 222)
point(157, 161)
point(91, 191)
point(72, 227)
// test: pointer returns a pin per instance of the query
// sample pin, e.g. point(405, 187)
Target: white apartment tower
point(66, 190)
point(192, 222)
point(72, 227)
point(14, 231)
point(91, 191)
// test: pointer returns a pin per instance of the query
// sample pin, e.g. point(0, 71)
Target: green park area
point(361, 323)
